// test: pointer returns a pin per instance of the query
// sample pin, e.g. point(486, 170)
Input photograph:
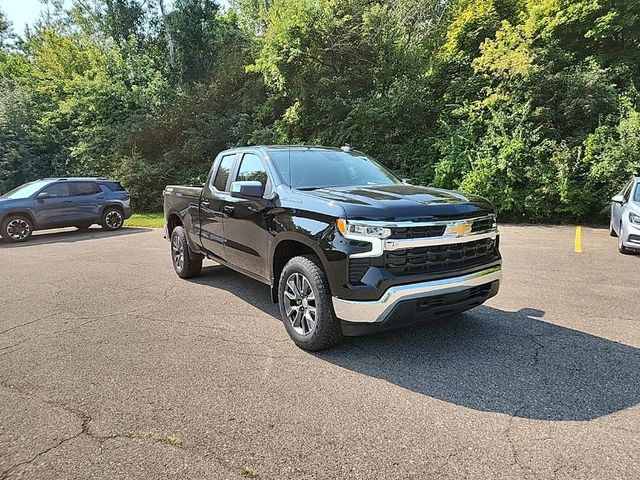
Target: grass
point(248, 472)
point(146, 220)
point(169, 440)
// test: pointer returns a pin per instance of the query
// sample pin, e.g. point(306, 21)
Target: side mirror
point(250, 189)
point(42, 195)
point(406, 180)
point(618, 199)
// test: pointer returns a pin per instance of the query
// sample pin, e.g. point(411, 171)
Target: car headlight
point(350, 230)
point(634, 218)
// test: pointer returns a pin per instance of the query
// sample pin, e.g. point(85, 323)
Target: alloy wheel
point(113, 219)
point(177, 252)
point(18, 229)
point(301, 304)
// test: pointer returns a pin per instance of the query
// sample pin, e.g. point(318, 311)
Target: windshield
point(26, 190)
point(636, 196)
point(311, 169)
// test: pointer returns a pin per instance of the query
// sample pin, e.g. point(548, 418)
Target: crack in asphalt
point(39, 319)
point(85, 420)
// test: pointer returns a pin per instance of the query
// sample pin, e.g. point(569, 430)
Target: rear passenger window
point(114, 186)
point(224, 170)
point(57, 189)
point(81, 189)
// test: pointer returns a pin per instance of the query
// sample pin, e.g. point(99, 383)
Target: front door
point(56, 209)
point(214, 194)
point(617, 208)
point(246, 233)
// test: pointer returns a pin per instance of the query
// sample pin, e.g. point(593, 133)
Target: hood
point(400, 202)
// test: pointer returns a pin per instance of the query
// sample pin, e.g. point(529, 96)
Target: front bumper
point(631, 235)
point(379, 311)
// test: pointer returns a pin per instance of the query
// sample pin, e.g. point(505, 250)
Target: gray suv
point(63, 202)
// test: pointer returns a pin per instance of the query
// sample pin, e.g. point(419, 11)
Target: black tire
point(327, 331)
point(112, 219)
point(190, 264)
point(16, 228)
point(612, 231)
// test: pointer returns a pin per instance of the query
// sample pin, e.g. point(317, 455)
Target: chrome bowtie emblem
point(458, 229)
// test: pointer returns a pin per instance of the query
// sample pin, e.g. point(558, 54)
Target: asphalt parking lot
point(111, 367)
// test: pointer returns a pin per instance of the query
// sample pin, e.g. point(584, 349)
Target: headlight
point(634, 218)
point(350, 230)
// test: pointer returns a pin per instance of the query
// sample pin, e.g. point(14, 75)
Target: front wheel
point(621, 248)
point(17, 228)
point(185, 263)
point(112, 219)
point(305, 304)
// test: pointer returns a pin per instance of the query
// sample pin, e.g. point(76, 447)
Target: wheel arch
point(285, 247)
point(173, 221)
point(25, 213)
point(112, 205)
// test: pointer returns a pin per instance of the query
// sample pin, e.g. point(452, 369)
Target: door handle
point(101, 197)
point(229, 209)
point(205, 204)
point(67, 201)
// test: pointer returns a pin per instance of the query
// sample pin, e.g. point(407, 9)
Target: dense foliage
point(531, 103)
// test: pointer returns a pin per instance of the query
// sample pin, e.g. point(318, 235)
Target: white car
point(625, 217)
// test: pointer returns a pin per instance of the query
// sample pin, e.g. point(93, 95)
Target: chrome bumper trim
point(374, 311)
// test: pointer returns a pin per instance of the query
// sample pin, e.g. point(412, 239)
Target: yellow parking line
point(578, 241)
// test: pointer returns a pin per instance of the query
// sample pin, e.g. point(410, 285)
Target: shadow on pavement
point(45, 237)
point(485, 359)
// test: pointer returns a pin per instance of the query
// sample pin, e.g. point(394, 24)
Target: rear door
point(87, 201)
point(246, 234)
point(214, 194)
point(56, 209)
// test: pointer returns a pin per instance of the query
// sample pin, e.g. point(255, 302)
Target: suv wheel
point(17, 228)
point(112, 219)
point(186, 263)
point(612, 231)
point(305, 304)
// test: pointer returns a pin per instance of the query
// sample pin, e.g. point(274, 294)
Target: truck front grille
point(441, 258)
point(482, 225)
point(425, 231)
point(429, 231)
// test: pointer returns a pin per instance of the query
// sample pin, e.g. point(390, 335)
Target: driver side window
point(252, 169)
point(57, 190)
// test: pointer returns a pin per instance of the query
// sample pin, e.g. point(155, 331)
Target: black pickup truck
point(346, 246)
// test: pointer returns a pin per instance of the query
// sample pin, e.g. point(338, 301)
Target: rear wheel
point(112, 219)
point(305, 304)
point(16, 228)
point(186, 263)
point(612, 231)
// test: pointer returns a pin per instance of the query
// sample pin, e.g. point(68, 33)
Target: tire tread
point(328, 330)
